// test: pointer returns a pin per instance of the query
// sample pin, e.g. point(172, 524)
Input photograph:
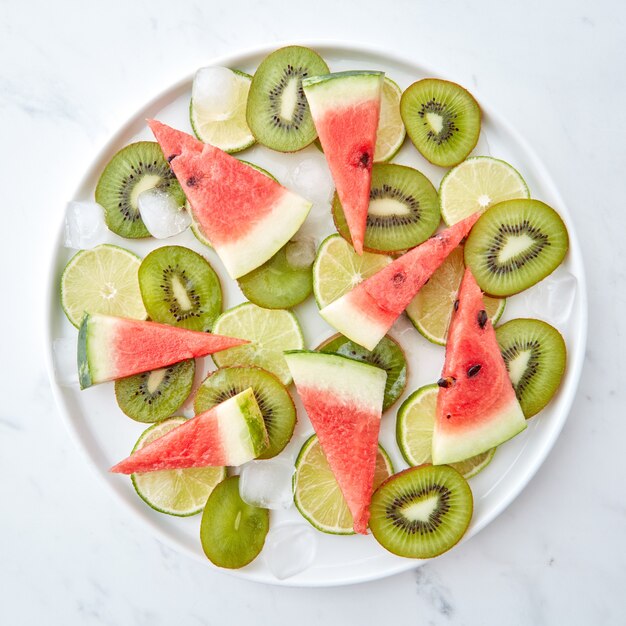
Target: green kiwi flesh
point(442, 120)
point(276, 405)
point(277, 111)
point(514, 245)
point(422, 511)
point(403, 210)
point(387, 355)
point(152, 396)
point(135, 168)
point(179, 287)
point(535, 357)
point(232, 532)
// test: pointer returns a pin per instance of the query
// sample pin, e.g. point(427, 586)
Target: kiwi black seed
point(535, 356)
point(403, 210)
point(387, 355)
point(514, 245)
point(276, 405)
point(153, 396)
point(278, 112)
point(179, 287)
point(135, 168)
point(421, 512)
point(442, 119)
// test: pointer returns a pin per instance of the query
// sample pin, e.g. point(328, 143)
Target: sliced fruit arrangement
point(268, 333)
point(535, 357)
point(403, 210)
point(115, 347)
point(136, 168)
point(346, 108)
point(217, 110)
point(477, 184)
point(387, 355)
point(442, 120)
point(230, 433)
point(421, 512)
point(366, 313)
point(180, 492)
point(316, 492)
point(179, 287)
point(414, 433)
point(431, 309)
point(152, 396)
point(102, 280)
point(476, 405)
point(278, 113)
point(275, 403)
point(514, 245)
point(343, 399)
point(262, 215)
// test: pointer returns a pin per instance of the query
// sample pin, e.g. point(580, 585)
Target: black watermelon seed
point(446, 382)
point(482, 318)
point(472, 371)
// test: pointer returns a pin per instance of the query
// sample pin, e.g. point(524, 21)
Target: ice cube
point(267, 483)
point(215, 93)
point(162, 214)
point(553, 298)
point(64, 361)
point(310, 178)
point(84, 225)
point(300, 252)
point(290, 549)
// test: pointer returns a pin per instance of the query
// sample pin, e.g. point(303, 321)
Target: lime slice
point(475, 185)
point(414, 433)
point(391, 131)
point(431, 309)
point(102, 280)
point(231, 134)
point(338, 268)
point(317, 494)
point(270, 332)
point(180, 492)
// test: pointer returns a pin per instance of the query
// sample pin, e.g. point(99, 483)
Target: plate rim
point(575, 358)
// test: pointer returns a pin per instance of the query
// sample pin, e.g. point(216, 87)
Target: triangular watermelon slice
point(476, 405)
point(343, 399)
point(368, 311)
point(115, 347)
point(345, 107)
point(230, 433)
point(246, 215)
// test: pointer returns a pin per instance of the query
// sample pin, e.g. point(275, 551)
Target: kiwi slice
point(442, 119)
point(153, 396)
point(515, 244)
point(422, 511)
point(403, 210)
point(535, 356)
point(276, 405)
point(285, 279)
point(387, 355)
point(179, 287)
point(232, 532)
point(278, 112)
point(135, 168)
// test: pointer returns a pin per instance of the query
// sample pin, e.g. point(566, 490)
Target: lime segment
point(180, 492)
point(391, 131)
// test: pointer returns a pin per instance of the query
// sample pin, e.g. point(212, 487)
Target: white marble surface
point(71, 73)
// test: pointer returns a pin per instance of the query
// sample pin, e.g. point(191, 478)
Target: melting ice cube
point(300, 252)
point(310, 177)
point(290, 549)
point(162, 214)
point(64, 361)
point(215, 93)
point(553, 298)
point(267, 483)
point(84, 225)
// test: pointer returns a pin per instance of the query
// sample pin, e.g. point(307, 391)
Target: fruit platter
point(316, 315)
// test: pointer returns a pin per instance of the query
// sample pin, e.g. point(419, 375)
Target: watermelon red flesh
point(366, 313)
point(343, 400)
point(173, 141)
point(477, 410)
point(346, 119)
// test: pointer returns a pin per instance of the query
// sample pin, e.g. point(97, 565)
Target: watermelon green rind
point(312, 81)
point(84, 371)
point(249, 408)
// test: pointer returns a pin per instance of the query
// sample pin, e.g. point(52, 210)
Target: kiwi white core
point(180, 293)
point(518, 365)
point(155, 379)
point(149, 181)
point(515, 245)
point(289, 99)
point(435, 121)
point(387, 206)
point(420, 510)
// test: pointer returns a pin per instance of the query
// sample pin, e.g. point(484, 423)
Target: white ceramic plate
point(106, 435)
